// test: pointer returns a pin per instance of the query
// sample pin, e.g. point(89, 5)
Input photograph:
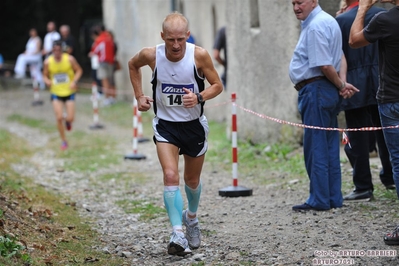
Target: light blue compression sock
point(193, 197)
point(174, 205)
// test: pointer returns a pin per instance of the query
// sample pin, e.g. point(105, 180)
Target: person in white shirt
point(31, 56)
point(51, 36)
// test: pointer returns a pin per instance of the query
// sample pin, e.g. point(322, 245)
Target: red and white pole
point(94, 99)
point(135, 126)
point(140, 136)
point(234, 140)
point(235, 190)
point(135, 155)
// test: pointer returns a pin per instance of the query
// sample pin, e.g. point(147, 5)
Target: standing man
point(220, 46)
point(314, 69)
point(180, 126)
point(104, 48)
point(361, 110)
point(384, 29)
point(61, 73)
point(68, 41)
point(51, 36)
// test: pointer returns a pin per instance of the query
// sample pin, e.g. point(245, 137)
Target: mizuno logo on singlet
point(176, 88)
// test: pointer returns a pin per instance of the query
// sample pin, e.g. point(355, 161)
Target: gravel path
point(257, 230)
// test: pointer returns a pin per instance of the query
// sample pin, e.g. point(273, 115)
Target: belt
point(305, 82)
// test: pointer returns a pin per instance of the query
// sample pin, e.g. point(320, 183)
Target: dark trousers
point(318, 104)
point(358, 153)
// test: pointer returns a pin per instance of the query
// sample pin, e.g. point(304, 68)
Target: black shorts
point(63, 98)
point(190, 137)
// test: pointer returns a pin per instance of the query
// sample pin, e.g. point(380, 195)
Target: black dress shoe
point(356, 196)
point(306, 207)
point(390, 187)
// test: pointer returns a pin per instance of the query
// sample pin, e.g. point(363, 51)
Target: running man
point(180, 126)
point(61, 73)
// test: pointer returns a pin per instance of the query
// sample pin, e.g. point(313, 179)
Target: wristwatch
point(199, 98)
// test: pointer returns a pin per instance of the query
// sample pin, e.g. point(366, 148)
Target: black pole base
point(37, 103)
point(235, 191)
point(134, 157)
point(96, 126)
point(142, 139)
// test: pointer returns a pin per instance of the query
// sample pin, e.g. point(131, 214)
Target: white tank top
point(31, 46)
point(168, 81)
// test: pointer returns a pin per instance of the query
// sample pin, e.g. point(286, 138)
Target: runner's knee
point(171, 177)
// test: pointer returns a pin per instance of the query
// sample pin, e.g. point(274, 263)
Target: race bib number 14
point(172, 94)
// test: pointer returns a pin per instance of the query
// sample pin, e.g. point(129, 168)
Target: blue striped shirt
point(320, 44)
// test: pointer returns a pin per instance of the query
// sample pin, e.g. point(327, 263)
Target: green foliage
point(10, 248)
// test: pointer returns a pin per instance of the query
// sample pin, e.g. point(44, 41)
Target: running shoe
point(68, 125)
point(193, 233)
point(178, 245)
point(392, 238)
point(64, 145)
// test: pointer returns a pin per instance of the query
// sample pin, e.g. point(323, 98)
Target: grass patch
point(32, 122)
point(120, 114)
point(37, 228)
point(124, 177)
point(254, 159)
point(206, 232)
point(147, 210)
point(87, 152)
point(381, 193)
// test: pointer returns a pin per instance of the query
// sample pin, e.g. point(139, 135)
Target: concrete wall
point(330, 6)
point(258, 66)
point(137, 23)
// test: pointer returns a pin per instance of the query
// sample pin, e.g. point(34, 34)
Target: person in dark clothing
point(384, 29)
point(361, 110)
point(68, 41)
point(219, 46)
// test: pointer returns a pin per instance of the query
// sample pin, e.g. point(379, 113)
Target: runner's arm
point(46, 77)
point(76, 68)
point(205, 65)
point(145, 56)
point(78, 72)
